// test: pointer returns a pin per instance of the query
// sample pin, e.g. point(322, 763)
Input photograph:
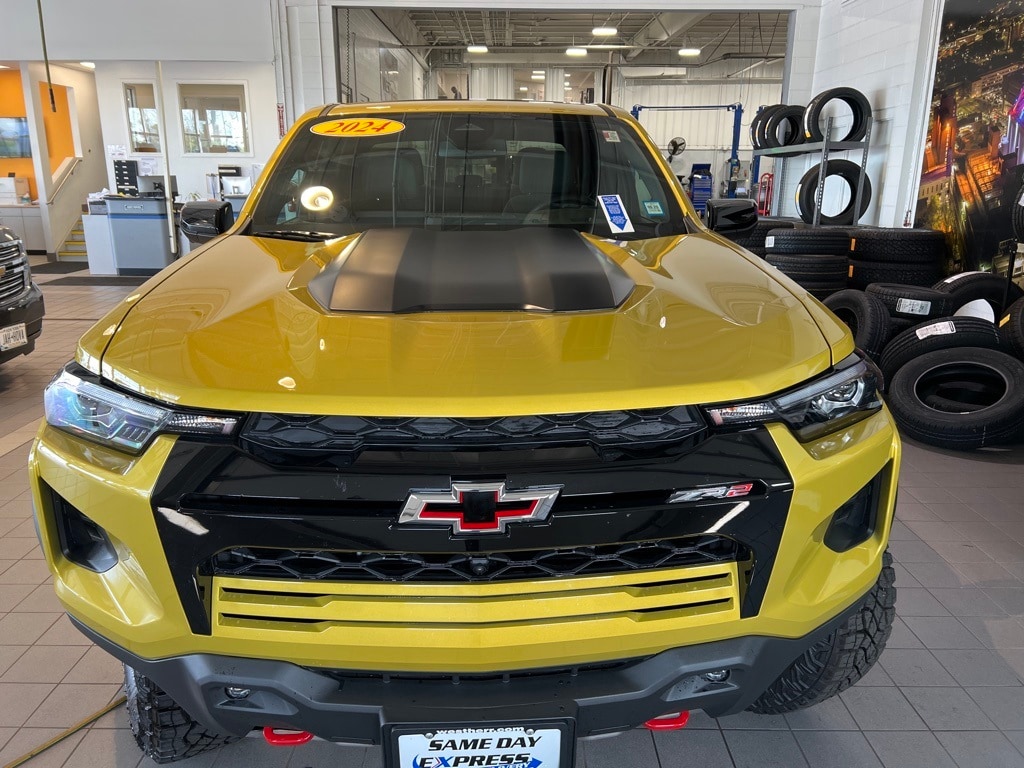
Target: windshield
point(468, 171)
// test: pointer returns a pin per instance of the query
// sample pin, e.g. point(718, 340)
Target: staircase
point(73, 248)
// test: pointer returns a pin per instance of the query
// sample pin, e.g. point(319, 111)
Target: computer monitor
point(235, 185)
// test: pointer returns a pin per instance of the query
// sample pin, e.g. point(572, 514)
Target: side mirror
point(731, 215)
point(205, 220)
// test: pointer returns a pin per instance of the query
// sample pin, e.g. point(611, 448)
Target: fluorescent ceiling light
point(536, 77)
point(87, 64)
point(538, 71)
point(604, 31)
point(476, 49)
point(689, 51)
point(523, 88)
point(568, 87)
point(575, 51)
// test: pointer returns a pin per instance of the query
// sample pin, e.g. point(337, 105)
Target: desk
point(27, 223)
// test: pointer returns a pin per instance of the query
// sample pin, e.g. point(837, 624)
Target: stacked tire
point(754, 240)
point(954, 381)
point(906, 256)
point(814, 131)
point(779, 125)
point(816, 259)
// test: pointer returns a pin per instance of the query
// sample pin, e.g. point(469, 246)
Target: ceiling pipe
point(663, 28)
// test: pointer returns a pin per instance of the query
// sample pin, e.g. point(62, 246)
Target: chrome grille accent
point(14, 280)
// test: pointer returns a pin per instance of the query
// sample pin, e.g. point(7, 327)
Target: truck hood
point(249, 326)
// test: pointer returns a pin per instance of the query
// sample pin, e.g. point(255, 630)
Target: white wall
point(886, 49)
point(190, 170)
point(708, 133)
point(60, 215)
point(146, 30)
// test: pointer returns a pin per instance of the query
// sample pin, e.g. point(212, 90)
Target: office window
point(140, 104)
point(214, 117)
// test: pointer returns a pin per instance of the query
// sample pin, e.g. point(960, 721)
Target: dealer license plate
point(13, 336)
point(546, 745)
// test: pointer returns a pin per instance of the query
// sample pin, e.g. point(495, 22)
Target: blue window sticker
point(653, 208)
point(615, 214)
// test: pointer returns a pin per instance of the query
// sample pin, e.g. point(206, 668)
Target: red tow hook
point(668, 722)
point(285, 738)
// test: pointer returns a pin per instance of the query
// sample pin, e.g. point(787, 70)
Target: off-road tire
point(164, 731)
point(970, 286)
point(753, 240)
point(914, 247)
point(913, 302)
point(854, 99)
point(808, 241)
point(1011, 328)
point(866, 317)
point(806, 193)
point(833, 664)
point(863, 273)
point(946, 398)
point(941, 333)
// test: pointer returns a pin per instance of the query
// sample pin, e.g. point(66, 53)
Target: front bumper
point(796, 584)
point(357, 708)
point(27, 309)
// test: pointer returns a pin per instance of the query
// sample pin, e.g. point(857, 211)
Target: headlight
point(842, 397)
point(96, 412)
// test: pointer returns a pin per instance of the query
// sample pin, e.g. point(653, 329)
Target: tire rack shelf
point(824, 149)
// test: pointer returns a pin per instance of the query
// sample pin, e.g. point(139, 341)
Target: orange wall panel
point(60, 141)
point(12, 104)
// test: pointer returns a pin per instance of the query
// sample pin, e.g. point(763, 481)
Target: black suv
point(21, 301)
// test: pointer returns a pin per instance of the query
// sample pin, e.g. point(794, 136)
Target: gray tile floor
point(948, 690)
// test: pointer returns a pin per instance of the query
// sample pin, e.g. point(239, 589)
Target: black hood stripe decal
point(416, 270)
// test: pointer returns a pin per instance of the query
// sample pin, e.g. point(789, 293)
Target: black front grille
point(343, 676)
point(278, 436)
point(315, 565)
point(13, 271)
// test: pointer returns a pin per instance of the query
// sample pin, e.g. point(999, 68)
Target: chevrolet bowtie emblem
point(474, 508)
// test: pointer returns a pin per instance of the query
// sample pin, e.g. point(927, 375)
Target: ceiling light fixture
point(689, 51)
point(476, 49)
point(87, 64)
point(538, 71)
point(523, 89)
point(536, 77)
point(604, 31)
point(575, 51)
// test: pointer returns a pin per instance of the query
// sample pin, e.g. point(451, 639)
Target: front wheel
point(164, 731)
point(832, 665)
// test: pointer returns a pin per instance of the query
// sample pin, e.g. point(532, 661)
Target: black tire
point(866, 317)
point(755, 237)
point(863, 273)
point(817, 268)
point(898, 325)
point(899, 246)
point(971, 286)
point(912, 301)
point(921, 392)
point(757, 136)
point(1018, 216)
point(164, 731)
point(944, 333)
point(791, 119)
point(807, 189)
point(1011, 328)
point(833, 664)
point(858, 103)
point(827, 241)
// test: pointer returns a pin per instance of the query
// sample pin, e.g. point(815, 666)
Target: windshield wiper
point(305, 235)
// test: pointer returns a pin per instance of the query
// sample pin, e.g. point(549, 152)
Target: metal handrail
point(67, 175)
